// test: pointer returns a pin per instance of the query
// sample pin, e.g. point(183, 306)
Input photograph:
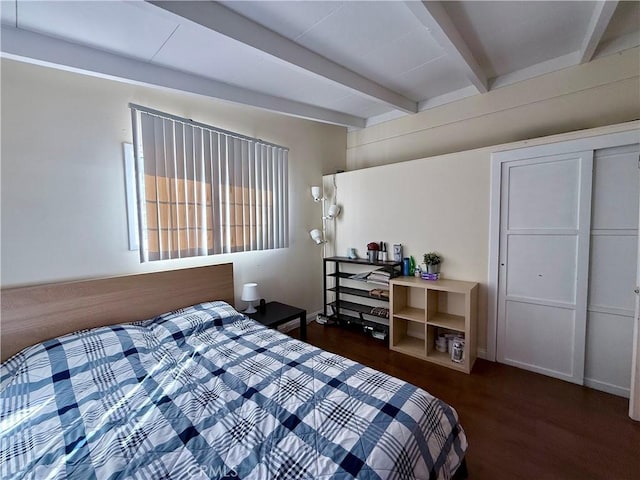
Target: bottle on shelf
point(383, 252)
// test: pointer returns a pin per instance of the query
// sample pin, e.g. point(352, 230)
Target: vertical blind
point(204, 191)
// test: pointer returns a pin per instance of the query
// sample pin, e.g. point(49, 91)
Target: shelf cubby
point(405, 339)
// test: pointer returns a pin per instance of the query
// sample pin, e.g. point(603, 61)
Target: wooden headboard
point(37, 313)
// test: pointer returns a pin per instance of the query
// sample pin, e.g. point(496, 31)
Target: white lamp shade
point(316, 235)
point(334, 211)
point(250, 292)
point(316, 193)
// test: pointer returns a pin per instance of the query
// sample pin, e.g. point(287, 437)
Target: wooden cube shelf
point(444, 305)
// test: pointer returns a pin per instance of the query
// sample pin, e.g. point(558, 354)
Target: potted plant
point(432, 260)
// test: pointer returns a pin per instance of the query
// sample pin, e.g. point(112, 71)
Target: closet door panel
point(544, 255)
point(612, 269)
point(615, 189)
point(609, 346)
point(553, 276)
point(544, 195)
point(541, 336)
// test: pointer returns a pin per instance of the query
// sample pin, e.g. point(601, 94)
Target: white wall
point(438, 203)
point(602, 92)
point(63, 197)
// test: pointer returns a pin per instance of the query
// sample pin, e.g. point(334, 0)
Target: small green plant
point(432, 258)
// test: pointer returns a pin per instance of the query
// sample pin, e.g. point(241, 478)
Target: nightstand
point(277, 313)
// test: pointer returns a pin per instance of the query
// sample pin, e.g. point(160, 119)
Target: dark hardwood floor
point(520, 425)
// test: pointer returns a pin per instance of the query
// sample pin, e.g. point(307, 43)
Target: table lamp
point(250, 294)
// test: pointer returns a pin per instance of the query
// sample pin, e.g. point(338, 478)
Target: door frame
point(595, 142)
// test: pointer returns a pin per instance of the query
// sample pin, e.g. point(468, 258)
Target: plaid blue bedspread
point(206, 392)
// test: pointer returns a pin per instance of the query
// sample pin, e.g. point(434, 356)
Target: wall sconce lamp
point(250, 294)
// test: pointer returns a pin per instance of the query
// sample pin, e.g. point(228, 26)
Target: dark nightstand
point(277, 313)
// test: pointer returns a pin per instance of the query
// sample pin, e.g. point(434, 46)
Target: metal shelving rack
point(352, 311)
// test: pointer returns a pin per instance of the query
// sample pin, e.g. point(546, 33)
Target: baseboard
point(311, 317)
point(606, 387)
point(481, 353)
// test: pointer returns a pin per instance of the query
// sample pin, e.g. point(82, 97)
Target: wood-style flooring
point(520, 425)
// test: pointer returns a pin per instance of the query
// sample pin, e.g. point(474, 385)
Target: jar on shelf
point(457, 351)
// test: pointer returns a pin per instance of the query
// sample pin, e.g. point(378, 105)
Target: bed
point(200, 391)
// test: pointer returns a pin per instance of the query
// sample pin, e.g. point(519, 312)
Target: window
point(204, 191)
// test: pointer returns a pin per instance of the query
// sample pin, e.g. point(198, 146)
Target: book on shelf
point(382, 276)
point(377, 274)
point(360, 276)
point(379, 282)
point(389, 270)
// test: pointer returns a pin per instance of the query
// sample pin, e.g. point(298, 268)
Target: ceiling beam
point(602, 13)
point(435, 18)
point(220, 19)
point(40, 49)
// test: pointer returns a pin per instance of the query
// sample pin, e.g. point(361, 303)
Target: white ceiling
point(353, 63)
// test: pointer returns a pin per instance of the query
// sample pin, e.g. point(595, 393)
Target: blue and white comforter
point(207, 393)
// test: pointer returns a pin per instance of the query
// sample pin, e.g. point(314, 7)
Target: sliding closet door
point(634, 397)
point(544, 253)
point(613, 269)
